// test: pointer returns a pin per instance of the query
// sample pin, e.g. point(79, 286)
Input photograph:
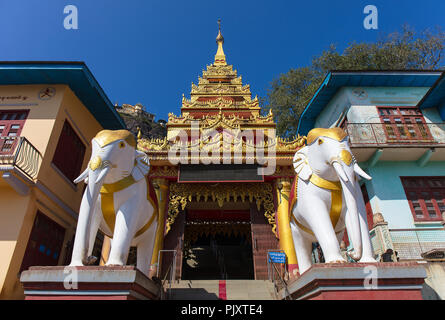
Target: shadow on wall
point(192, 294)
point(434, 286)
point(429, 293)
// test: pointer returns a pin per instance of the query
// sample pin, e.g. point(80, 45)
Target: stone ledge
point(325, 281)
point(93, 282)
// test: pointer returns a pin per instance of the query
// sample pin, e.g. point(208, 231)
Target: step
point(235, 290)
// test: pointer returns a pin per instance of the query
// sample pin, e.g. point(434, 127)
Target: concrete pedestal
point(359, 281)
point(88, 283)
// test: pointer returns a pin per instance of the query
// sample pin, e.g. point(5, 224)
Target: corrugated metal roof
point(74, 74)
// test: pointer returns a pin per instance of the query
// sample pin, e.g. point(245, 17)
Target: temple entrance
point(215, 249)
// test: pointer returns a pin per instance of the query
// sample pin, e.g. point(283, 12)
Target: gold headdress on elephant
point(106, 137)
point(334, 133)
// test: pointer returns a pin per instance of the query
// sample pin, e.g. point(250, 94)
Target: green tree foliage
point(289, 94)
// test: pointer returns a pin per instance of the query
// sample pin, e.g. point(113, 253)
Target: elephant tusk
point(360, 172)
point(102, 175)
point(83, 176)
point(341, 173)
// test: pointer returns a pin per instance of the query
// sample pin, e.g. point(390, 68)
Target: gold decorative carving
point(194, 230)
point(163, 171)
point(153, 144)
point(222, 101)
point(284, 171)
point(158, 148)
point(260, 193)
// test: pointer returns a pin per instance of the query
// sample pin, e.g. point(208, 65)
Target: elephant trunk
point(87, 208)
point(352, 215)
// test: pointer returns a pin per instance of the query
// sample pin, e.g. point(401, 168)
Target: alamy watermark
point(227, 146)
point(370, 281)
point(371, 20)
point(71, 278)
point(71, 21)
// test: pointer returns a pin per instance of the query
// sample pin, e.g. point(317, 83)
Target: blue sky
point(151, 51)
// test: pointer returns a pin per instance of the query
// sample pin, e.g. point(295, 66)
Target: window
point(11, 125)
point(426, 197)
point(44, 244)
point(404, 124)
point(70, 152)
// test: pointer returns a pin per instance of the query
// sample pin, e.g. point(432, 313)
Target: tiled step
point(235, 290)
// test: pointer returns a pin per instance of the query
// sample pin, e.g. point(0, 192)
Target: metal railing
point(171, 270)
point(410, 244)
point(277, 276)
point(389, 134)
point(20, 153)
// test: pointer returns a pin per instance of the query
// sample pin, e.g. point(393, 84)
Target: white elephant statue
point(117, 201)
point(326, 198)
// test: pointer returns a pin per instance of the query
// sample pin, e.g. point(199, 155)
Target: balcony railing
point(389, 134)
point(411, 243)
point(18, 152)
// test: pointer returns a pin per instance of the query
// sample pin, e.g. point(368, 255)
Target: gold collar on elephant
point(118, 185)
point(107, 203)
point(336, 200)
point(325, 184)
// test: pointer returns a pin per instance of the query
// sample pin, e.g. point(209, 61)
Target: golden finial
point(220, 57)
point(139, 132)
point(219, 37)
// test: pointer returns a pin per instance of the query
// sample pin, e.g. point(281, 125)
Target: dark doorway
point(44, 244)
point(217, 255)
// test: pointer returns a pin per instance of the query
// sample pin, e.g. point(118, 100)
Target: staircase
point(222, 289)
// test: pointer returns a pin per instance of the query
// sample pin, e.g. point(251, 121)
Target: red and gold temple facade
point(207, 171)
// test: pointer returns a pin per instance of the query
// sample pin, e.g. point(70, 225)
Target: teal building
point(396, 124)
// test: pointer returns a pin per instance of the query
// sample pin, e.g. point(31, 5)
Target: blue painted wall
point(387, 195)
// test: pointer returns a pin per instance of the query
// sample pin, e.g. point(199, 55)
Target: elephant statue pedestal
point(88, 283)
point(359, 281)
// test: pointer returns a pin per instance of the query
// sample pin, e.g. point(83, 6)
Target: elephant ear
point(141, 165)
point(301, 164)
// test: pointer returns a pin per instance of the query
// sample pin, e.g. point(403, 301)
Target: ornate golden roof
point(220, 101)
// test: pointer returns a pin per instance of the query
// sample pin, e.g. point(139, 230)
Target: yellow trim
point(95, 163)
point(161, 190)
point(325, 184)
point(107, 204)
point(336, 200)
point(334, 133)
point(346, 157)
point(105, 137)
point(118, 185)
point(285, 234)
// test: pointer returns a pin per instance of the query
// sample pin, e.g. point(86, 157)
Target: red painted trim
point(395, 126)
point(79, 297)
point(8, 123)
point(225, 181)
point(222, 290)
point(420, 198)
point(368, 295)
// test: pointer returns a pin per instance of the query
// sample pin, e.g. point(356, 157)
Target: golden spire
point(220, 57)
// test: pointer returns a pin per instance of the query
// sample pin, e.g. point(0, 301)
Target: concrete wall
point(387, 195)
point(13, 213)
point(360, 104)
point(434, 287)
point(53, 194)
point(86, 127)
